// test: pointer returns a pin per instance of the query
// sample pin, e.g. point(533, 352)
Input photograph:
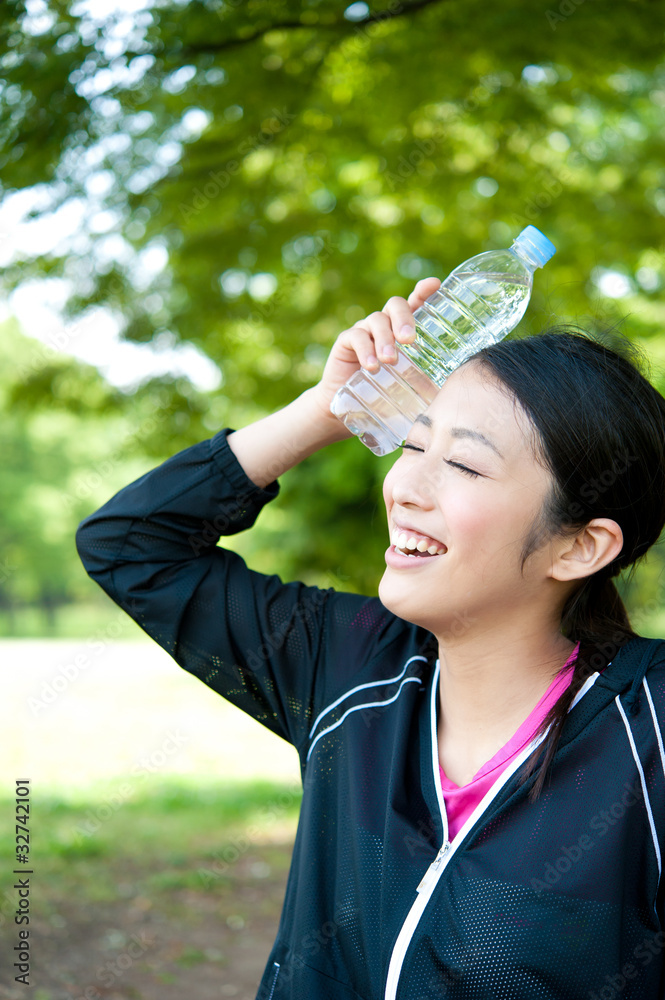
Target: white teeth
point(402, 540)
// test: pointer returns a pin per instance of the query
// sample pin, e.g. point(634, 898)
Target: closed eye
point(462, 468)
point(455, 465)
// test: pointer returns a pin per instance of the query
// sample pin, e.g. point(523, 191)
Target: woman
point(483, 809)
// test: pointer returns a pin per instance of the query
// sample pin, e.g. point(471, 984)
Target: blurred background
point(197, 196)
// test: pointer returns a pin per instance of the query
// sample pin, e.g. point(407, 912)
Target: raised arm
point(276, 443)
point(153, 548)
point(270, 446)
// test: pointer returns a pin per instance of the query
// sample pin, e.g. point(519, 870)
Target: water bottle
point(477, 304)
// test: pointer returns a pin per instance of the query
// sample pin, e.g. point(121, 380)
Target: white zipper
point(276, 967)
point(431, 871)
point(446, 851)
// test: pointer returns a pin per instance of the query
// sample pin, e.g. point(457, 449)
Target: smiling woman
point(431, 858)
point(561, 408)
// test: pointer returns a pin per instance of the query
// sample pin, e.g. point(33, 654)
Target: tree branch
point(380, 15)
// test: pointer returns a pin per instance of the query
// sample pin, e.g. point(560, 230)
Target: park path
point(75, 716)
point(74, 712)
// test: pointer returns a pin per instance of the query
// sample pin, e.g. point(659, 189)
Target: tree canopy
point(254, 177)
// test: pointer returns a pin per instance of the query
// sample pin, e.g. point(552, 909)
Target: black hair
point(600, 430)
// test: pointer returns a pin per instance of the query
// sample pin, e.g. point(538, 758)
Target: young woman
point(481, 745)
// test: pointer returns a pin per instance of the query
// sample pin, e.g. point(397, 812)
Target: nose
point(414, 486)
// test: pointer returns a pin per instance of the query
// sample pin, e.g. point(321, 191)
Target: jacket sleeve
point(253, 639)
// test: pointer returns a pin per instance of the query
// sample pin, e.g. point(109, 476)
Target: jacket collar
point(624, 673)
point(628, 667)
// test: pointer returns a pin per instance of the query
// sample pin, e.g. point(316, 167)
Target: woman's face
point(466, 482)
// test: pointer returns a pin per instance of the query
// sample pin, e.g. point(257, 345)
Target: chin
point(399, 605)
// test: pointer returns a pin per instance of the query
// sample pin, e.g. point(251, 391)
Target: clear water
point(478, 304)
point(469, 311)
point(381, 407)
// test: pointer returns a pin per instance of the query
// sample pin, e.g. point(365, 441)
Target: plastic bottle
point(477, 304)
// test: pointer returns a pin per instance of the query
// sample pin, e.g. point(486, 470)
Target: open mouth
point(417, 547)
point(418, 555)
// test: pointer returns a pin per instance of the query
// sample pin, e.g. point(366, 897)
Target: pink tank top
point(461, 801)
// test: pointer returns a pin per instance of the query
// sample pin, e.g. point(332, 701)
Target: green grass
point(72, 621)
point(164, 840)
point(170, 817)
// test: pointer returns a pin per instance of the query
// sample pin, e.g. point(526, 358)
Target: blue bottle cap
point(538, 245)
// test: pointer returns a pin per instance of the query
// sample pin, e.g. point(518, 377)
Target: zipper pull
point(433, 868)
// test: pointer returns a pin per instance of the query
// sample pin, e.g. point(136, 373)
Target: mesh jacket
point(561, 899)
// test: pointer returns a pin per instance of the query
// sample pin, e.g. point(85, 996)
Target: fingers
point(374, 339)
point(400, 327)
point(381, 326)
point(358, 341)
point(424, 288)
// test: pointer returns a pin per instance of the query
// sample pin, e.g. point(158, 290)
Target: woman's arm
point(250, 637)
point(276, 443)
point(153, 549)
point(270, 446)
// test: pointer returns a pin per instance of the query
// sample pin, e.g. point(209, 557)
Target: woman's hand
point(372, 341)
point(270, 446)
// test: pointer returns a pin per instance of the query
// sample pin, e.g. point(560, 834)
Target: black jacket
point(562, 899)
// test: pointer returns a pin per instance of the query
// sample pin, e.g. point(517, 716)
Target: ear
point(583, 554)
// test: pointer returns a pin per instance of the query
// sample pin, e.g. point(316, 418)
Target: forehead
point(474, 399)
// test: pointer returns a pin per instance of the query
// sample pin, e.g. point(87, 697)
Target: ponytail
point(596, 617)
point(595, 610)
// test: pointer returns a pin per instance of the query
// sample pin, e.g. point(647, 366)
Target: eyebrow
point(461, 432)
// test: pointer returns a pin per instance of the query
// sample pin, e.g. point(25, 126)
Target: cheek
point(472, 522)
point(486, 524)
